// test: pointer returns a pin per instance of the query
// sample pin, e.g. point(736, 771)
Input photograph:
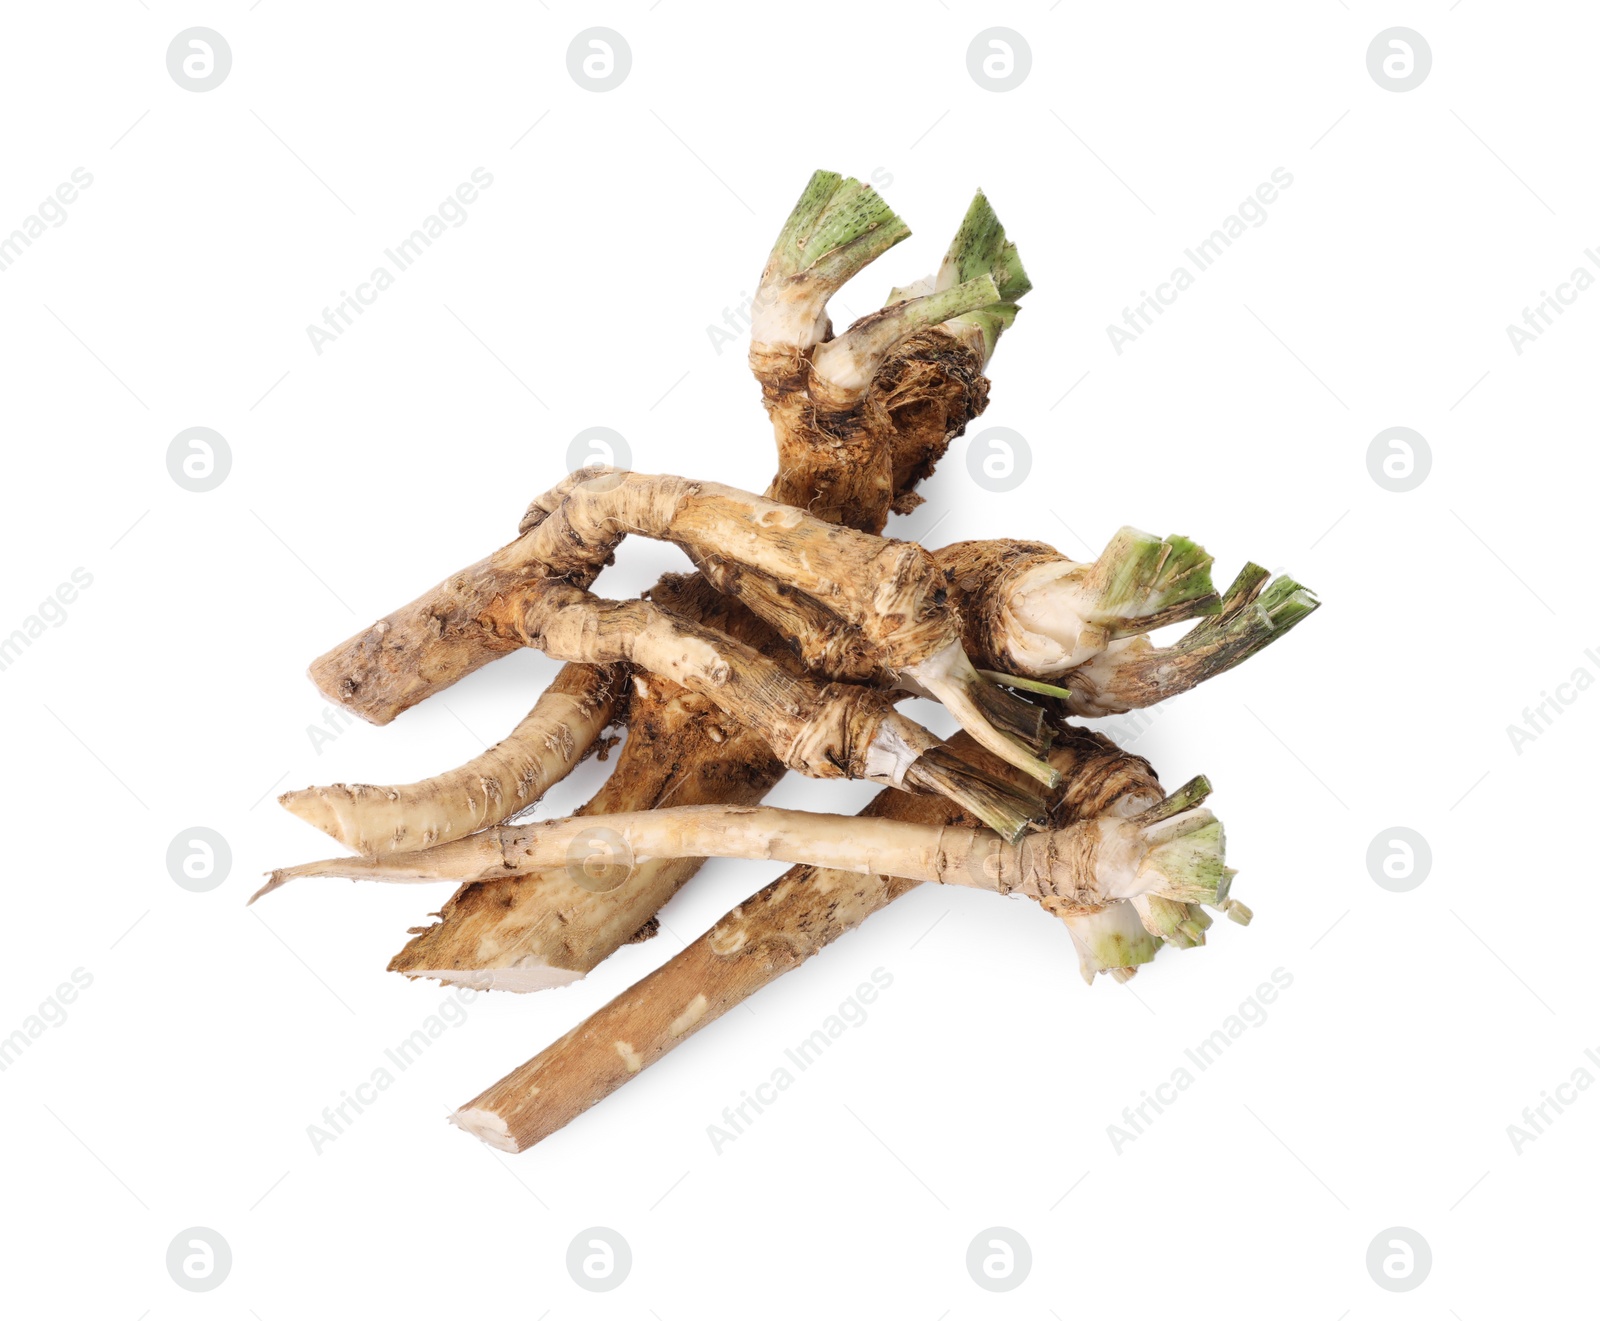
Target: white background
point(578, 293)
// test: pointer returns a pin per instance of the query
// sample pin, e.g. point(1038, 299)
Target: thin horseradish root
point(1173, 851)
point(507, 779)
point(788, 647)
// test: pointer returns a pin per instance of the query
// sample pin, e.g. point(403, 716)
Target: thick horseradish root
point(787, 648)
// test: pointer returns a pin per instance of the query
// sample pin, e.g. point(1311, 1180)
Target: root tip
point(274, 880)
point(486, 1126)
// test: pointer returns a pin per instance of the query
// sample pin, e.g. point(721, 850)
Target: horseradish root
point(911, 372)
point(776, 930)
point(821, 730)
point(787, 648)
point(1173, 855)
point(509, 778)
point(890, 594)
point(678, 750)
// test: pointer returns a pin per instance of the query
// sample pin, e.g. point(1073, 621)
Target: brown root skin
point(932, 386)
point(680, 749)
point(513, 936)
point(890, 590)
point(822, 730)
point(858, 464)
point(976, 574)
point(771, 933)
point(979, 575)
point(421, 648)
point(560, 731)
point(824, 644)
point(849, 468)
point(826, 731)
point(438, 639)
point(834, 462)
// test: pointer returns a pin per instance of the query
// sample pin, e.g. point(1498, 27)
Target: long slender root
point(513, 775)
point(1081, 866)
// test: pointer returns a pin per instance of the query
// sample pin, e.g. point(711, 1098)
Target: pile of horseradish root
point(788, 649)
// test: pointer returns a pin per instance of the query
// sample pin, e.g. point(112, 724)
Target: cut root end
point(1110, 939)
point(275, 880)
point(519, 978)
point(486, 1126)
point(1182, 799)
point(1186, 860)
point(1254, 613)
point(1236, 911)
point(1140, 582)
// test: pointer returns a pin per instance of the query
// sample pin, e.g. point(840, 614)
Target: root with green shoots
point(1036, 620)
point(786, 649)
point(1173, 855)
point(862, 417)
